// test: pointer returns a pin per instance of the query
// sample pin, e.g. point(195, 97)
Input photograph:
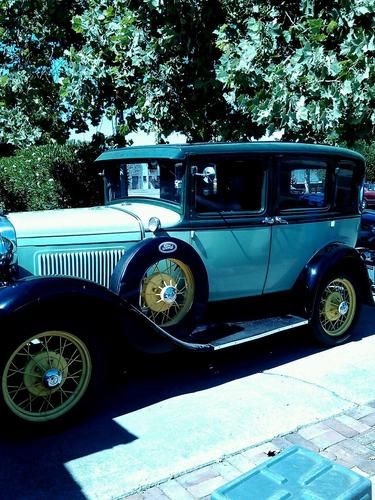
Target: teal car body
point(182, 227)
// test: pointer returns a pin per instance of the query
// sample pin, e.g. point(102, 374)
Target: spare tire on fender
point(166, 279)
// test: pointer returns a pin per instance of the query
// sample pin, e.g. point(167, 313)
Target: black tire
point(336, 309)
point(48, 373)
point(170, 287)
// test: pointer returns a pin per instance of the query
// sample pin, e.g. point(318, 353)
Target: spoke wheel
point(337, 307)
point(46, 376)
point(167, 291)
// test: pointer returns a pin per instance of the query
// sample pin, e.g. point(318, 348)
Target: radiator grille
point(95, 265)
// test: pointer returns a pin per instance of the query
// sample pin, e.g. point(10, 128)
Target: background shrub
point(51, 176)
point(367, 149)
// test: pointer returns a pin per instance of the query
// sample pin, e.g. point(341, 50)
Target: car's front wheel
point(47, 375)
point(336, 309)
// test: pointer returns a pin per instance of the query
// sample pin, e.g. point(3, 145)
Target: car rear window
point(303, 184)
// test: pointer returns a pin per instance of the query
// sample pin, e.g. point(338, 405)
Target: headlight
point(154, 224)
point(8, 248)
point(6, 252)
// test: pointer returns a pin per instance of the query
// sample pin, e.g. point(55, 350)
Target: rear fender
point(335, 256)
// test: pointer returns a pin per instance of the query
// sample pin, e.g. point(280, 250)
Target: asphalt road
point(177, 412)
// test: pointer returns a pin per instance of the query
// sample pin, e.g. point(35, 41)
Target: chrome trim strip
point(255, 337)
point(138, 219)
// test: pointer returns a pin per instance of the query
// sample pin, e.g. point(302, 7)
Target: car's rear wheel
point(336, 309)
point(46, 376)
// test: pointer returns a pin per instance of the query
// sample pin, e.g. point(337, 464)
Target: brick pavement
point(348, 438)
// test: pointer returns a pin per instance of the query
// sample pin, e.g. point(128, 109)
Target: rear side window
point(303, 184)
point(346, 192)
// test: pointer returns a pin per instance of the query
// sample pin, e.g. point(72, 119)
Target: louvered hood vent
point(96, 265)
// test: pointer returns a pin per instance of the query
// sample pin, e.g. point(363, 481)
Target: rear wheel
point(48, 375)
point(336, 310)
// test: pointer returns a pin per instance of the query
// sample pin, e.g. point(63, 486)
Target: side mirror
point(209, 175)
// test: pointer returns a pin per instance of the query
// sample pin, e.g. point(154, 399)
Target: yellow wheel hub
point(167, 291)
point(331, 306)
point(337, 307)
point(40, 369)
point(154, 292)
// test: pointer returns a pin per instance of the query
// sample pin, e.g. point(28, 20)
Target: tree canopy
point(33, 37)
point(224, 69)
point(306, 67)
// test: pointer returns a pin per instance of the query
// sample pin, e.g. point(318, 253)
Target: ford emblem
point(167, 247)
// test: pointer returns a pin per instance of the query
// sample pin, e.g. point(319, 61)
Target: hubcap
point(337, 307)
point(168, 294)
point(343, 308)
point(52, 378)
point(167, 291)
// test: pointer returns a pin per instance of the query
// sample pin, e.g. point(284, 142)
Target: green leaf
point(77, 24)
point(332, 25)
point(346, 87)
point(287, 36)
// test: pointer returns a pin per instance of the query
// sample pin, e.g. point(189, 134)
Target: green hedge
point(50, 176)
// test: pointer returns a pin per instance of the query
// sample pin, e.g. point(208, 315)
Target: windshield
point(156, 178)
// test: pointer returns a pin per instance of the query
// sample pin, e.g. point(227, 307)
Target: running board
point(217, 336)
point(256, 329)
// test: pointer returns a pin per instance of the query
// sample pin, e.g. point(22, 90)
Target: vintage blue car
point(183, 227)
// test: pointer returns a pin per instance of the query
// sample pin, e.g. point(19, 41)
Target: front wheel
point(336, 310)
point(45, 377)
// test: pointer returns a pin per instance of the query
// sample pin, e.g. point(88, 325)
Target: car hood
point(120, 222)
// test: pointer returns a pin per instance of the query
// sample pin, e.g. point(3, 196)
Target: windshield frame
point(112, 175)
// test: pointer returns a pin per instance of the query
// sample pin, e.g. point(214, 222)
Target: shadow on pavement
point(33, 467)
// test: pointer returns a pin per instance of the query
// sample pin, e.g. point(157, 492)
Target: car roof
point(182, 151)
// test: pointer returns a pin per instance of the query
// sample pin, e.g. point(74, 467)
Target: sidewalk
point(348, 438)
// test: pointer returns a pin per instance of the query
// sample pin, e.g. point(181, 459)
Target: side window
point(303, 184)
point(229, 185)
point(346, 193)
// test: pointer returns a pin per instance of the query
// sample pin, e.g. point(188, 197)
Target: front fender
point(33, 296)
point(332, 257)
point(32, 290)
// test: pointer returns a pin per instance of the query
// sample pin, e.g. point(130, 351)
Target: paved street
point(179, 413)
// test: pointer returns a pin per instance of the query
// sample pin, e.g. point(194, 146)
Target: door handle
point(279, 220)
point(269, 221)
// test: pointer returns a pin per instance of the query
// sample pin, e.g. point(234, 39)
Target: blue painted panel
point(236, 260)
point(293, 245)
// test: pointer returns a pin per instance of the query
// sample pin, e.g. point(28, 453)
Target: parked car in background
point(183, 226)
point(366, 244)
point(366, 234)
point(368, 195)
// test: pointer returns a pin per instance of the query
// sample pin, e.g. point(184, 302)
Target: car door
point(307, 216)
point(227, 219)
